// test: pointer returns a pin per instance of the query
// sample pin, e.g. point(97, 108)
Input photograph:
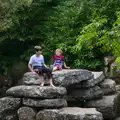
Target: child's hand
point(34, 72)
point(67, 67)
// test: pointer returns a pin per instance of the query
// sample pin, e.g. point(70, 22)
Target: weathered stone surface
point(47, 103)
point(117, 118)
point(108, 86)
point(70, 113)
point(107, 106)
point(98, 78)
point(30, 78)
point(108, 60)
point(118, 88)
point(8, 104)
point(36, 91)
point(26, 113)
point(61, 78)
point(84, 94)
point(11, 116)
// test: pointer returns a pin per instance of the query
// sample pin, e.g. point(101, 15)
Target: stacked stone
point(108, 105)
point(71, 80)
point(30, 99)
point(80, 84)
point(32, 102)
point(91, 89)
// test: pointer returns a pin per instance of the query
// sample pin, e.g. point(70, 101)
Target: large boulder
point(47, 103)
point(108, 86)
point(70, 113)
point(63, 78)
point(36, 92)
point(107, 106)
point(84, 94)
point(98, 78)
point(8, 105)
point(26, 113)
point(117, 118)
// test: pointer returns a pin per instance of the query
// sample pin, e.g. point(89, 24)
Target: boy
point(59, 61)
point(37, 65)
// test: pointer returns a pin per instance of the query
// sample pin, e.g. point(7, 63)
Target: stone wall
point(32, 102)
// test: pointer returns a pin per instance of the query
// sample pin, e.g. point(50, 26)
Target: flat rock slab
point(108, 86)
point(47, 103)
point(117, 118)
point(63, 78)
point(98, 78)
point(8, 104)
point(70, 113)
point(84, 94)
point(26, 113)
point(36, 92)
point(107, 106)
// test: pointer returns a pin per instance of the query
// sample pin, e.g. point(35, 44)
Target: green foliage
point(7, 11)
point(84, 30)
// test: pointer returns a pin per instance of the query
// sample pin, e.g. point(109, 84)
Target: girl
point(59, 61)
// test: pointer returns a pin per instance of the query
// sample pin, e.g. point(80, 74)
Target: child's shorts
point(59, 67)
point(40, 70)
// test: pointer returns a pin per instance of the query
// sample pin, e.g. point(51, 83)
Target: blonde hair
point(59, 50)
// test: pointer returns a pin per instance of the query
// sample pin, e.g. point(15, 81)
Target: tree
point(7, 11)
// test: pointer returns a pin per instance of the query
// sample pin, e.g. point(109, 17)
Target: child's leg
point(42, 81)
point(41, 76)
point(39, 72)
point(55, 68)
point(49, 74)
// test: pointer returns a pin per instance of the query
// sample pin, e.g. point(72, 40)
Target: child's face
point(39, 52)
point(58, 53)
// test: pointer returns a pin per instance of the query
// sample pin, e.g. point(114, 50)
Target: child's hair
point(37, 48)
point(59, 50)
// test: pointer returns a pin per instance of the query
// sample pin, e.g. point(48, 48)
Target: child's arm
point(65, 65)
point(29, 66)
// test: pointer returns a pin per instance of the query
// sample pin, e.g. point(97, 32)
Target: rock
point(36, 92)
point(98, 78)
point(8, 104)
point(114, 71)
point(107, 106)
point(108, 60)
point(84, 94)
point(26, 113)
point(63, 78)
point(11, 116)
point(47, 103)
point(30, 78)
point(108, 86)
point(118, 88)
point(117, 118)
point(70, 113)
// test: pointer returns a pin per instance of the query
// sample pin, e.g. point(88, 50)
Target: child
point(37, 65)
point(59, 61)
